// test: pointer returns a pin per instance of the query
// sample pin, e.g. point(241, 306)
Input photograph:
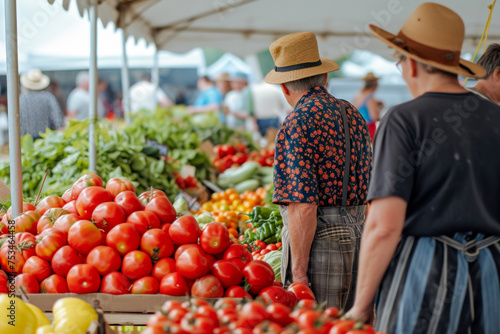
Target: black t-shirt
point(441, 153)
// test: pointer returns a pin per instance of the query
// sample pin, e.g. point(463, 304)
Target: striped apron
point(441, 285)
point(333, 260)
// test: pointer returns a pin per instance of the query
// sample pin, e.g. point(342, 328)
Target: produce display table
point(121, 310)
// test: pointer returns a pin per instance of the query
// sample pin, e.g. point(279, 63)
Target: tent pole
point(155, 75)
point(125, 80)
point(93, 86)
point(16, 182)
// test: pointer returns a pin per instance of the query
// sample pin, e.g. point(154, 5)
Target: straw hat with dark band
point(35, 80)
point(296, 56)
point(370, 77)
point(432, 35)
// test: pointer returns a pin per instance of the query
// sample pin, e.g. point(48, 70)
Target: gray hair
point(306, 84)
point(490, 60)
point(82, 77)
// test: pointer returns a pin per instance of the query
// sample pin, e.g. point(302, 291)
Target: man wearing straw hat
point(38, 108)
point(368, 106)
point(322, 169)
point(431, 241)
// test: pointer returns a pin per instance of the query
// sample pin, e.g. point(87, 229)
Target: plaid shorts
point(333, 262)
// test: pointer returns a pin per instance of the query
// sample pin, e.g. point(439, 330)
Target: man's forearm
point(301, 228)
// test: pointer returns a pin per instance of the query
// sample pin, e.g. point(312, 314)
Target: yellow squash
point(41, 319)
point(72, 316)
point(16, 317)
point(46, 329)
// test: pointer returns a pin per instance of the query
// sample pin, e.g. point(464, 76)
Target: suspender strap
point(347, 166)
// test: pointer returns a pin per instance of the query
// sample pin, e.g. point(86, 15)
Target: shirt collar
point(313, 91)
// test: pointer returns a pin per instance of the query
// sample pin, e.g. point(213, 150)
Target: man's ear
point(413, 67)
point(496, 74)
point(285, 89)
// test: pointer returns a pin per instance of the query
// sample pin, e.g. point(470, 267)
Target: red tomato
point(11, 262)
point(292, 299)
point(274, 294)
point(214, 238)
point(146, 196)
point(157, 244)
point(162, 267)
point(24, 242)
point(171, 304)
point(3, 282)
point(252, 314)
point(165, 227)
point(225, 304)
point(280, 314)
point(185, 230)
point(83, 278)
point(264, 251)
point(343, 327)
point(108, 215)
point(124, 238)
point(309, 319)
point(239, 255)
point(237, 292)
point(182, 248)
point(143, 221)
point(84, 182)
point(115, 283)
point(227, 273)
point(105, 259)
point(272, 247)
point(136, 264)
point(192, 263)
point(39, 267)
point(28, 282)
point(278, 284)
point(71, 207)
point(147, 285)
point(26, 207)
point(207, 286)
point(64, 223)
point(197, 324)
point(54, 284)
point(49, 242)
point(162, 208)
point(49, 218)
point(363, 329)
point(27, 222)
point(207, 311)
point(302, 291)
point(307, 304)
point(331, 312)
point(174, 284)
point(48, 203)
point(116, 186)
point(64, 259)
point(84, 236)
point(67, 195)
point(268, 327)
point(89, 199)
point(259, 275)
point(129, 202)
point(176, 314)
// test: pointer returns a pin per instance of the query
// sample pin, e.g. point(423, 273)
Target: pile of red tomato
point(229, 316)
point(229, 155)
point(264, 157)
point(105, 239)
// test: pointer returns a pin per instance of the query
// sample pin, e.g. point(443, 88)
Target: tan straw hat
point(35, 80)
point(370, 77)
point(296, 56)
point(432, 35)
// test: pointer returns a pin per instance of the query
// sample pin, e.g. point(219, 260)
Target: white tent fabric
point(51, 39)
point(244, 27)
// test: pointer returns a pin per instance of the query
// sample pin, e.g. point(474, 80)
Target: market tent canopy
point(51, 39)
point(244, 27)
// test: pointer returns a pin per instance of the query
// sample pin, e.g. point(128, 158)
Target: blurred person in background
point(79, 99)
point(38, 107)
point(489, 86)
point(367, 105)
point(209, 99)
point(142, 95)
point(236, 102)
point(59, 95)
point(222, 82)
point(267, 107)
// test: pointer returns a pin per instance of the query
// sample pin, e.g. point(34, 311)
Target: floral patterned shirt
point(310, 153)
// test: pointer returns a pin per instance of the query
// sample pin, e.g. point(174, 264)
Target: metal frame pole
point(125, 79)
point(155, 75)
point(93, 86)
point(16, 182)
